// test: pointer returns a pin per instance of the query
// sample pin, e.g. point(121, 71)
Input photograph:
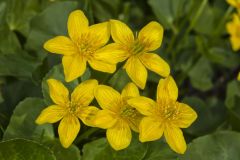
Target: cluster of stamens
point(136, 48)
point(85, 46)
point(72, 107)
point(168, 110)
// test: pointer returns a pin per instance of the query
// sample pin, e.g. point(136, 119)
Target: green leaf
point(22, 123)
point(233, 93)
point(20, 65)
point(223, 57)
point(221, 145)
point(19, 14)
point(159, 150)
point(169, 10)
point(201, 75)
point(20, 149)
point(49, 23)
point(100, 149)
point(105, 9)
point(71, 153)
point(56, 73)
point(211, 113)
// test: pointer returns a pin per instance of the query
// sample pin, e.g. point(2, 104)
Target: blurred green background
point(195, 45)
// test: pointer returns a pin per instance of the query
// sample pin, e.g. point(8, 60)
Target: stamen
point(168, 110)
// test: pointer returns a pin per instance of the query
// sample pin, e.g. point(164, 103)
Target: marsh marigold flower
point(234, 3)
point(137, 50)
point(80, 47)
point(69, 110)
point(233, 29)
point(116, 115)
point(166, 116)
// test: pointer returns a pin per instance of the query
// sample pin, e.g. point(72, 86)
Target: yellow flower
point(137, 51)
point(234, 3)
point(166, 116)
point(238, 77)
point(84, 42)
point(117, 116)
point(68, 111)
point(233, 29)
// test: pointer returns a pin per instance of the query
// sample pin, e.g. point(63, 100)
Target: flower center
point(136, 48)
point(128, 111)
point(85, 46)
point(72, 107)
point(168, 111)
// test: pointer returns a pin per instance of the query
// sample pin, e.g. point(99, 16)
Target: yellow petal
point(130, 90)
point(68, 130)
point(151, 36)
point(102, 66)
point(61, 45)
point(87, 115)
point(58, 92)
point(144, 105)
point(100, 33)
point(231, 28)
point(111, 53)
point(175, 139)
point(84, 93)
point(74, 66)
point(119, 136)
point(107, 98)
point(150, 130)
point(121, 33)
point(238, 77)
point(155, 63)
point(77, 24)
point(167, 89)
point(136, 71)
point(235, 41)
point(105, 119)
point(186, 116)
point(51, 114)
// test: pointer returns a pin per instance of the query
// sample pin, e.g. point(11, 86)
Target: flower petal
point(68, 130)
point(134, 122)
point(74, 66)
point(119, 136)
point(99, 33)
point(87, 115)
point(84, 93)
point(105, 119)
point(151, 36)
point(167, 89)
point(61, 45)
point(77, 24)
point(121, 33)
point(136, 71)
point(144, 105)
point(155, 63)
point(130, 90)
point(58, 92)
point(111, 53)
point(102, 66)
point(150, 130)
point(107, 98)
point(51, 114)
point(235, 43)
point(175, 139)
point(186, 116)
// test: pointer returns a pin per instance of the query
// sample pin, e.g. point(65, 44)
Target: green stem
point(192, 24)
point(86, 135)
point(224, 19)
